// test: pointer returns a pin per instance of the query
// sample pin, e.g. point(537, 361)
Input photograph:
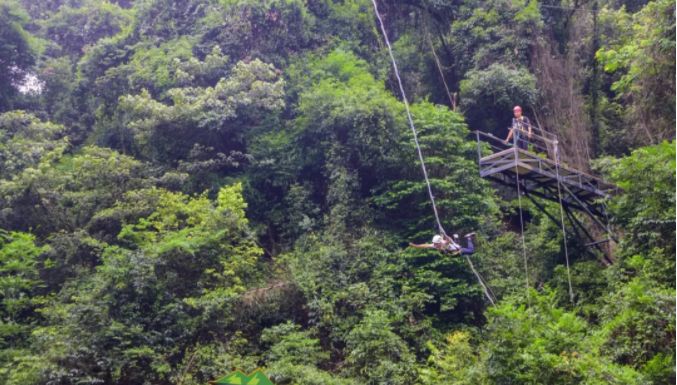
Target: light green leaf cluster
point(199, 112)
point(539, 343)
point(24, 140)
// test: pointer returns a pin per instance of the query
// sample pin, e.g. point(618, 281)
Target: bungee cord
point(420, 153)
point(524, 246)
point(564, 232)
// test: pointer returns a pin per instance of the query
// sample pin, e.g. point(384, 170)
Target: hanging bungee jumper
point(448, 244)
point(443, 240)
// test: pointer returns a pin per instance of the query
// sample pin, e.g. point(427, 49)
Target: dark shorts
point(468, 250)
point(521, 141)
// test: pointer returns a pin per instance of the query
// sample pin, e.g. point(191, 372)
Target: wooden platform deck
point(540, 176)
point(539, 172)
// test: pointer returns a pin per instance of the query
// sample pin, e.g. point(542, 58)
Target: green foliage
point(462, 198)
point(539, 343)
point(17, 50)
point(645, 206)
point(589, 284)
point(21, 296)
point(24, 140)
point(502, 259)
point(644, 59)
point(63, 192)
point(75, 28)
point(491, 93)
point(270, 30)
point(199, 186)
point(194, 237)
point(294, 357)
point(637, 207)
point(20, 283)
point(456, 362)
point(59, 93)
point(151, 67)
point(209, 114)
point(342, 143)
point(376, 353)
point(500, 31)
point(206, 72)
point(165, 19)
point(292, 346)
point(20, 275)
point(207, 362)
point(347, 23)
point(340, 282)
point(536, 343)
point(336, 281)
point(444, 282)
point(103, 76)
point(639, 329)
point(336, 125)
point(346, 114)
point(188, 260)
point(305, 375)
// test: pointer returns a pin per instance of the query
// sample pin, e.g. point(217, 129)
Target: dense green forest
point(191, 187)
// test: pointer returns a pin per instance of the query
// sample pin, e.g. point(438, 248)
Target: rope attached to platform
point(524, 246)
point(564, 232)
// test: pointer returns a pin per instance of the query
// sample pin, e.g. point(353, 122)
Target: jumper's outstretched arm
point(422, 245)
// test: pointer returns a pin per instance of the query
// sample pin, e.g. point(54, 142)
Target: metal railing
point(532, 138)
point(539, 142)
point(543, 151)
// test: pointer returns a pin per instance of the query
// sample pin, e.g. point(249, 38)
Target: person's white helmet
point(437, 239)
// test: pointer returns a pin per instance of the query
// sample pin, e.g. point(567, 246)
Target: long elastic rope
point(480, 280)
point(608, 230)
point(564, 231)
point(418, 149)
point(439, 66)
point(411, 121)
point(524, 245)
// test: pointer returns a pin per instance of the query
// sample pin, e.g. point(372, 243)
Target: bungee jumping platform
point(532, 165)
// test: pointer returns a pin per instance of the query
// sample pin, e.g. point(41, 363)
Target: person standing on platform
point(520, 125)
